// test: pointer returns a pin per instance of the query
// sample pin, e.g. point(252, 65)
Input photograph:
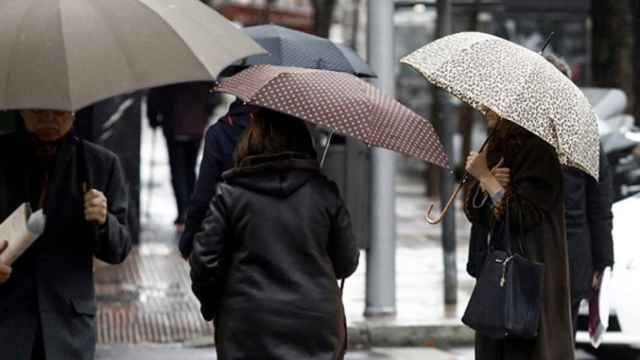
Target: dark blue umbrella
point(288, 47)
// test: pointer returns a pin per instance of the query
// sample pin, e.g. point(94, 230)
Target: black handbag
point(507, 298)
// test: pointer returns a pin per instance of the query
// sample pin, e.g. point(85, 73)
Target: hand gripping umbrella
point(341, 102)
point(519, 85)
point(66, 54)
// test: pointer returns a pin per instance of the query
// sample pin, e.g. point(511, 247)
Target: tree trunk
point(612, 44)
point(322, 16)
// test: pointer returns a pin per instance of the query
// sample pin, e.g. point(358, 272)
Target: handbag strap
point(507, 230)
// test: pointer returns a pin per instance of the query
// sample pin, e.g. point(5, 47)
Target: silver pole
point(326, 148)
point(381, 254)
point(446, 116)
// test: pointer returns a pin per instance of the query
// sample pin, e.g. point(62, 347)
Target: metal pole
point(446, 118)
point(381, 264)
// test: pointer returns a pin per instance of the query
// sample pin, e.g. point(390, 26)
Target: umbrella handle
point(439, 219)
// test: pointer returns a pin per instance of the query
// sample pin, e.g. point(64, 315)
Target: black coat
point(182, 109)
point(589, 224)
point(277, 238)
point(219, 144)
point(535, 203)
point(52, 282)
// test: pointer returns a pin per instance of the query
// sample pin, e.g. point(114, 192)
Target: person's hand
point(596, 281)
point(95, 207)
point(5, 270)
point(476, 165)
point(502, 174)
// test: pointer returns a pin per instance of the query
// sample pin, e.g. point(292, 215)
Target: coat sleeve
point(536, 185)
point(208, 260)
point(113, 241)
point(211, 168)
point(343, 251)
point(479, 214)
point(599, 215)
point(156, 106)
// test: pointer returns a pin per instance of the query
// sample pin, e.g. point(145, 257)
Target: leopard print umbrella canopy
point(518, 84)
point(341, 102)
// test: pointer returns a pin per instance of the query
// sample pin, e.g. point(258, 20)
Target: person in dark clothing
point(47, 301)
point(589, 225)
point(220, 142)
point(183, 111)
point(276, 240)
point(589, 222)
point(533, 195)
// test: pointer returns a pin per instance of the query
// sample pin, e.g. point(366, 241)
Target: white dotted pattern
point(341, 102)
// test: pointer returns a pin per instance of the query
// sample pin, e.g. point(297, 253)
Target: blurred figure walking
point(183, 111)
point(219, 144)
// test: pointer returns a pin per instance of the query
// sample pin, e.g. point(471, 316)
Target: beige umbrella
point(519, 85)
point(66, 54)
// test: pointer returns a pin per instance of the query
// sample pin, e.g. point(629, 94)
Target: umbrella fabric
point(519, 85)
point(341, 102)
point(295, 48)
point(65, 54)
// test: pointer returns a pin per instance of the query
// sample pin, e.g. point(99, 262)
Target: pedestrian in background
point(589, 222)
point(532, 192)
point(277, 238)
point(47, 299)
point(219, 144)
point(183, 111)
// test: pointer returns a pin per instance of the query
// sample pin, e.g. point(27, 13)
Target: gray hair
point(559, 63)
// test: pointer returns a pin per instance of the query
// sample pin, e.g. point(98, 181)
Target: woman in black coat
point(533, 195)
point(277, 238)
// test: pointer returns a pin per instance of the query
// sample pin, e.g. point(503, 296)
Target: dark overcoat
point(265, 268)
point(52, 283)
point(217, 157)
point(536, 204)
point(589, 224)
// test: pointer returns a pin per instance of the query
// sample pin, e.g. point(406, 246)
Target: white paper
point(20, 230)
point(604, 309)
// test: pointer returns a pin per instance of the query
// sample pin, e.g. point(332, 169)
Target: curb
point(366, 336)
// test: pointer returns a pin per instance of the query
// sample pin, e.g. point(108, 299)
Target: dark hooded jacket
point(220, 142)
point(265, 268)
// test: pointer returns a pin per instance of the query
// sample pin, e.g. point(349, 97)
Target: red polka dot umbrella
point(341, 102)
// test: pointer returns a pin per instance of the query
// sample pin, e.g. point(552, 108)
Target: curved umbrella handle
point(439, 219)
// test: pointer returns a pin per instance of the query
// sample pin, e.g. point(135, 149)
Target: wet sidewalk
point(148, 298)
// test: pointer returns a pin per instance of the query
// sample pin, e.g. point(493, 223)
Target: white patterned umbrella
point(518, 84)
point(341, 102)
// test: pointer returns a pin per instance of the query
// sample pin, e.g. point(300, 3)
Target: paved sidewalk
point(148, 298)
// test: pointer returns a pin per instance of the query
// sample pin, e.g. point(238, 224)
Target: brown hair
point(506, 137)
point(270, 132)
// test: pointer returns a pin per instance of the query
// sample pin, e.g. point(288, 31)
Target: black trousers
point(183, 155)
